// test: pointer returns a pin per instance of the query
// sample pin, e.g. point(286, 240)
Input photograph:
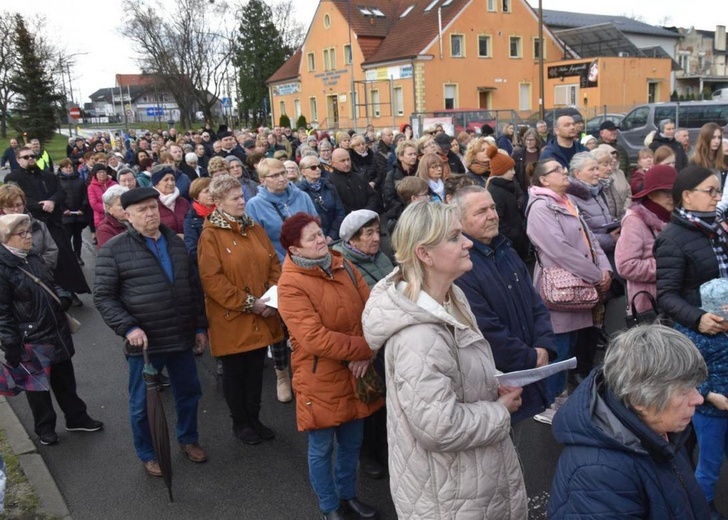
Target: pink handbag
point(564, 291)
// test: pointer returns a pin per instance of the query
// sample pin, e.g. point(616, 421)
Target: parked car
point(692, 115)
point(593, 124)
point(550, 114)
point(473, 119)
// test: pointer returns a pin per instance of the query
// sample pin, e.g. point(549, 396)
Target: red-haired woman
point(321, 300)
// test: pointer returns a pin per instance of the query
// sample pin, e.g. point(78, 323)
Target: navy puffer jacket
point(615, 467)
point(131, 289)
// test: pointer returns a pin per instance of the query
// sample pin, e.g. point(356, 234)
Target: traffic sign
point(155, 111)
point(75, 112)
point(227, 102)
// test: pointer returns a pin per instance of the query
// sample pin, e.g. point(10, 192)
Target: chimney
point(719, 42)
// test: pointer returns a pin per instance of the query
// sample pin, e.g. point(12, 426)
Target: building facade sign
point(385, 73)
point(587, 72)
point(287, 88)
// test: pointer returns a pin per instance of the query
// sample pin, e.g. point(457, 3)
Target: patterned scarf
point(311, 263)
point(706, 222)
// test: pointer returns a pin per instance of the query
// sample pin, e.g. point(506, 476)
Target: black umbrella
point(158, 422)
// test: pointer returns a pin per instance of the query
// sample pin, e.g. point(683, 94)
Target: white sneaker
point(545, 417)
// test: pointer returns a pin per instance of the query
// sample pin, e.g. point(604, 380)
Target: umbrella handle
point(145, 353)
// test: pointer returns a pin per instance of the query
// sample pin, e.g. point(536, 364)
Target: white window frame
point(492, 6)
point(282, 107)
point(398, 101)
point(313, 108)
point(347, 54)
point(376, 103)
point(455, 102)
point(520, 46)
point(461, 37)
point(297, 108)
point(311, 61)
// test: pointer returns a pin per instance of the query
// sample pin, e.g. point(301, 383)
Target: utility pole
point(541, 113)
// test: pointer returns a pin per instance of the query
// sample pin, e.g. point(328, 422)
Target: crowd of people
point(391, 278)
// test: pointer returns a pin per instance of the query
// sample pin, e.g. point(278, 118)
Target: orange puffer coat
point(323, 315)
point(237, 262)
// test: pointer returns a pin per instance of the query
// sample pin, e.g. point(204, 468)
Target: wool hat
point(9, 223)
point(587, 138)
point(659, 177)
point(500, 163)
point(233, 158)
point(158, 173)
point(137, 195)
point(342, 136)
point(248, 144)
point(443, 140)
point(97, 168)
point(354, 222)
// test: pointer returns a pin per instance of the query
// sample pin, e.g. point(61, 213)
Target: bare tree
point(187, 50)
point(290, 28)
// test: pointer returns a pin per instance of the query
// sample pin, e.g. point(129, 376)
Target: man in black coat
point(9, 156)
point(354, 191)
point(147, 293)
point(444, 141)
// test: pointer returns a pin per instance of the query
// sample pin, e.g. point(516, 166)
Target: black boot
point(358, 508)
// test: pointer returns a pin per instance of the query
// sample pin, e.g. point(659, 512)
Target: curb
point(51, 500)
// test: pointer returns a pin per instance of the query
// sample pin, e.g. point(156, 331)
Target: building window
point(566, 95)
point(327, 21)
point(537, 49)
point(457, 46)
point(332, 58)
point(329, 59)
point(685, 63)
point(297, 107)
point(484, 49)
point(282, 108)
point(376, 106)
point(347, 54)
point(515, 47)
point(506, 6)
point(398, 101)
point(491, 6)
point(313, 107)
point(327, 64)
point(701, 61)
point(451, 96)
point(311, 61)
point(524, 97)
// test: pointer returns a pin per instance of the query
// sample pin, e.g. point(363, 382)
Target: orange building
point(381, 61)
point(606, 84)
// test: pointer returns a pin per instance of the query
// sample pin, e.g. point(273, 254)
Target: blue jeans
point(187, 392)
point(712, 433)
point(341, 483)
point(564, 343)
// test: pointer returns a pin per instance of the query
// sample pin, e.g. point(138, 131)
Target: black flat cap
point(137, 195)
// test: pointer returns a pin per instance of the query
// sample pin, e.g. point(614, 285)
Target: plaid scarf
point(715, 232)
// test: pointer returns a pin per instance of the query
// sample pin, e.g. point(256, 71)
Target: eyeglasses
point(713, 192)
point(312, 167)
point(26, 157)
point(276, 175)
point(559, 169)
point(24, 234)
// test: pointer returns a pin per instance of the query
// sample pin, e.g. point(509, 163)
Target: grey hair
point(663, 123)
point(602, 151)
point(645, 365)
point(578, 161)
point(113, 193)
point(458, 198)
point(191, 158)
point(221, 185)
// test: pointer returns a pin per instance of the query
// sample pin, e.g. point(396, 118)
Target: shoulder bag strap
point(278, 210)
point(44, 286)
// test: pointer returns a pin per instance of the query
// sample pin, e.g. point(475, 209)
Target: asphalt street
point(101, 478)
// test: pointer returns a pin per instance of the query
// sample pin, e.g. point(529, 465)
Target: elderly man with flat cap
point(147, 293)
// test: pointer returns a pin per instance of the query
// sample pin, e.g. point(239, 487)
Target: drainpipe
point(439, 28)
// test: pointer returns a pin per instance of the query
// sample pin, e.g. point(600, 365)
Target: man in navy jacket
point(510, 314)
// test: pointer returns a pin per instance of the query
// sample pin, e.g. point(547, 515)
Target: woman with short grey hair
point(114, 215)
point(624, 431)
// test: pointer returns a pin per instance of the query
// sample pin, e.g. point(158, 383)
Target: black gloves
point(65, 303)
point(12, 356)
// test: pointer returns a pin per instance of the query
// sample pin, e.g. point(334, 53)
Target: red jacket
point(174, 219)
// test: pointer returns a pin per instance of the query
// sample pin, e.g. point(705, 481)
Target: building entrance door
point(332, 110)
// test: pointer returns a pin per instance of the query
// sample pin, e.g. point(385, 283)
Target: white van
point(721, 93)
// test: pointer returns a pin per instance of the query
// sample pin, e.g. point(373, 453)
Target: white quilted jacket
point(450, 454)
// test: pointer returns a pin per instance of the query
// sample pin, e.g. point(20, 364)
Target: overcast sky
point(91, 29)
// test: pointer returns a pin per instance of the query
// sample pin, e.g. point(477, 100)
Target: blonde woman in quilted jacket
point(450, 454)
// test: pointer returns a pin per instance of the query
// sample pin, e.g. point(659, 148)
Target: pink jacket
point(633, 255)
point(95, 192)
point(557, 236)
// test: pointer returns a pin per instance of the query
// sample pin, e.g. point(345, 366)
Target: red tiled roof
point(369, 25)
point(410, 35)
point(289, 70)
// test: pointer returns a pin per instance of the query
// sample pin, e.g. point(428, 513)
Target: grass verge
point(21, 502)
